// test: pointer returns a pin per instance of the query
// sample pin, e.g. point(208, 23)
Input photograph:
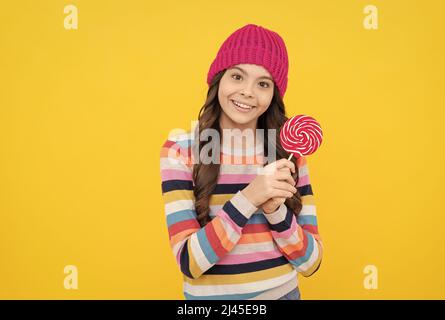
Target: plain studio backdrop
point(84, 112)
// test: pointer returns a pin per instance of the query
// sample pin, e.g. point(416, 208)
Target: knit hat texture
point(256, 45)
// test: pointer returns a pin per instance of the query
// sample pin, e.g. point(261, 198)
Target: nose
point(246, 91)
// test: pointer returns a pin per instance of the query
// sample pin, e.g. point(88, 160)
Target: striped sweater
point(242, 253)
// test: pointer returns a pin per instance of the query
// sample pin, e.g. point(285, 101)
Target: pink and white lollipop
point(301, 135)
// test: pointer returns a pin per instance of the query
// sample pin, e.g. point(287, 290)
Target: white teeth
point(242, 105)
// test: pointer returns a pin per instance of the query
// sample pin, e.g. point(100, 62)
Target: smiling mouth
point(241, 106)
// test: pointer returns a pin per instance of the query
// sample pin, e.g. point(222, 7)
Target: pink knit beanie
point(256, 45)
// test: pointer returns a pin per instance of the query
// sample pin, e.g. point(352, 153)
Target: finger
point(285, 163)
point(285, 169)
point(285, 177)
point(285, 186)
point(278, 193)
point(278, 200)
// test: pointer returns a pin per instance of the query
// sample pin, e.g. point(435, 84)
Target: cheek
point(224, 93)
point(227, 89)
point(222, 97)
point(265, 102)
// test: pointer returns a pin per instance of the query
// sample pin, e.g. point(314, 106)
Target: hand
point(273, 204)
point(273, 182)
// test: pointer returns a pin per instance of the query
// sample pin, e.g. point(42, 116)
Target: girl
point(239, 227)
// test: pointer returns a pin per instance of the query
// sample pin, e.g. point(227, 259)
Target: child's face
point(249, 84)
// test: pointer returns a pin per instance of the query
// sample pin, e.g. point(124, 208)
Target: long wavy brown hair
point(205, 176)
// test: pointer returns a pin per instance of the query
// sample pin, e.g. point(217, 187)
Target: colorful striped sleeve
point(298, 239)
point(197, 249)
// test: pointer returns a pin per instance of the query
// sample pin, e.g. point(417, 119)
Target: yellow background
point(83, 114)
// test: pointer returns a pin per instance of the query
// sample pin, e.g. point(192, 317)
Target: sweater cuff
point(243, 205)
point(277, 216)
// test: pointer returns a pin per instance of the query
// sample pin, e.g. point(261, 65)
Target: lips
point(241, 108)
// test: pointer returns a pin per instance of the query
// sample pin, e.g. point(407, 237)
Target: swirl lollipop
point(301, 135)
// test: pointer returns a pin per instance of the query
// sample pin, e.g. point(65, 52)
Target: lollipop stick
point(290, 157)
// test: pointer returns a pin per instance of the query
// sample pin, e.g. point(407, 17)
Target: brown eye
point(235, 75)
point(267, 85)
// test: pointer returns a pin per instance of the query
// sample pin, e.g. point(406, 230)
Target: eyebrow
point(243, 71)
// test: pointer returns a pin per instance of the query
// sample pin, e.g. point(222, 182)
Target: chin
point(240, 120)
